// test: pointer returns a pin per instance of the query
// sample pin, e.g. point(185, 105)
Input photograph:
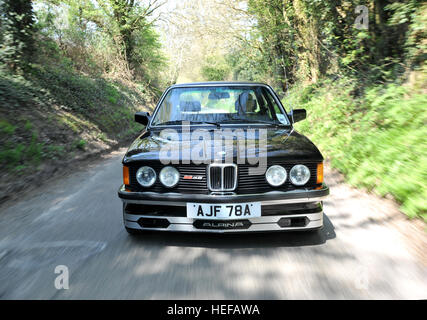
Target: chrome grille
point(222, 177)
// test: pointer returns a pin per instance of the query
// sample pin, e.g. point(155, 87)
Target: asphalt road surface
point(76, 221)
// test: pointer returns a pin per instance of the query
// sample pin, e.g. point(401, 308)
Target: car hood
point(282, 143)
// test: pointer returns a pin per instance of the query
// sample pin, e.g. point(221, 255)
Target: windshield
point(212, 105)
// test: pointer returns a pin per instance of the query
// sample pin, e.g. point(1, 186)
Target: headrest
point(218, 95)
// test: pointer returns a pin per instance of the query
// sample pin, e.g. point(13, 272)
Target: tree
point(195, 30)
point(306, 40)
point(126, 24)
point(16, 32)
point(129, 20)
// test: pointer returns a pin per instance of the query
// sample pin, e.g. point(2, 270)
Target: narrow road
point(76, 221)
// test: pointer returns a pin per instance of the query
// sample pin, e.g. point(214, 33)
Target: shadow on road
point(236, 241)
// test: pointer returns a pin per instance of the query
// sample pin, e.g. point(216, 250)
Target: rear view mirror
point(190, 106)
point(297, 115)
point(142, 117)
point(218, 95)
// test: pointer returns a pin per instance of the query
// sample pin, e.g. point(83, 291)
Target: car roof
point(217, 83)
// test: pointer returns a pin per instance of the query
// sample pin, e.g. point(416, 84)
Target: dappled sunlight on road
point(361, 252)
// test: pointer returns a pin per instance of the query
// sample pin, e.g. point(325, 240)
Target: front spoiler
point(258, 224)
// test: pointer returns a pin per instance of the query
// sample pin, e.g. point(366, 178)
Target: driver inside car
point(246, 107)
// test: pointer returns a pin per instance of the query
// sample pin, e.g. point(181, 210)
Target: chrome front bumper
point(313, 220)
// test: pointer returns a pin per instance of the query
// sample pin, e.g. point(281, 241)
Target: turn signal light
point(319, 173)
point(126, 176)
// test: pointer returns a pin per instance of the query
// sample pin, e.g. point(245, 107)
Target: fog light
point(284, 222)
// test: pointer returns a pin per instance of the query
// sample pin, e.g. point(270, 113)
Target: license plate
point(223, 211)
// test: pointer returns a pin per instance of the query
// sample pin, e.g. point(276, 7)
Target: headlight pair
point(276, 175)
point(146, 176)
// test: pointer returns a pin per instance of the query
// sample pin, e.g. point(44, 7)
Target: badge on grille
point(189, 177)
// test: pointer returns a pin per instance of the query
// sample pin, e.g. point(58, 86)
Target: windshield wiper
point(255, 121)
point(174, 122)
point(217, 124)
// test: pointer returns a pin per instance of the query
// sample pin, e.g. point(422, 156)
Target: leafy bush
point(378, 141)
point(215, 69)
point(79, 144)
point(6, 127)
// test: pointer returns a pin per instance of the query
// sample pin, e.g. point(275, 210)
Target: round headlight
point(146, 176)
point(169, 176)
point(276, 175)
point(299, 175)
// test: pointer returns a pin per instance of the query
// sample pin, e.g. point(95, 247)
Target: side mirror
point(142, 117)
point(298, 114)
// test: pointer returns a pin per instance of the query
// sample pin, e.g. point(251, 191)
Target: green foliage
point(110, 36)
point(11, 155)
point(6, 127)
point(415, 17)
point(305, 41)
point(14, 155)
point(79, 144)
point(16, 33)
point(113, 94)
point(54, 151)
point(67, 78)
point(215, 69)
point(247, 63)
point(44, 115)
point(378, 141)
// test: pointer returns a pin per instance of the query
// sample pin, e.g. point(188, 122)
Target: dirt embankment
point(52, 119)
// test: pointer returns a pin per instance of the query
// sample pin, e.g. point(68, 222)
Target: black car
point(222, 157)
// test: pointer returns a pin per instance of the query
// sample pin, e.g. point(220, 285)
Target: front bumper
point(280, 211)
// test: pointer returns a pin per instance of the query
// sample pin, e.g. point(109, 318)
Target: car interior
point(246, 107)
